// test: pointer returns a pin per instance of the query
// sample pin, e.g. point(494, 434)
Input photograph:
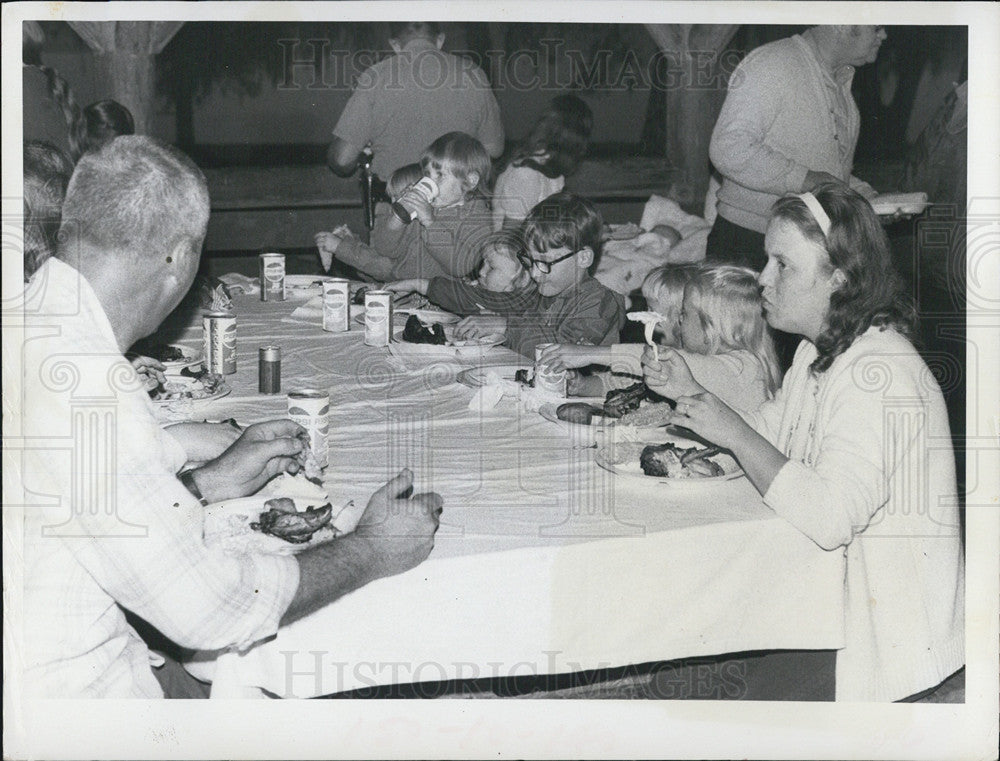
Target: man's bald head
point(134, 199)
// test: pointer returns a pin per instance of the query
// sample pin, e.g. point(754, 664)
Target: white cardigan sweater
point(872, 474)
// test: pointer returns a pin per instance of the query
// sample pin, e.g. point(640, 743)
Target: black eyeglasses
point(545, 267)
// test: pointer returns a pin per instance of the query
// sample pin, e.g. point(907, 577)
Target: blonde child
point(350, 249)
point(499, 272)
point(447, 230)
point(723, 338)
point(663, 289)
point(539, 166)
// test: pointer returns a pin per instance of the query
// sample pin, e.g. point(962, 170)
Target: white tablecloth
point(544, 562)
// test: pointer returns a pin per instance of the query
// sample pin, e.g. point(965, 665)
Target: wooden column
point(693, 105)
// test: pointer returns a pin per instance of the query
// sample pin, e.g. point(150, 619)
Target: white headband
point(817, 211)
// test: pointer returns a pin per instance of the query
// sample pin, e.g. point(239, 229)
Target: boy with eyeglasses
point(561, 239)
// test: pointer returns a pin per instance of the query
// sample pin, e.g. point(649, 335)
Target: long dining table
point(544, 562)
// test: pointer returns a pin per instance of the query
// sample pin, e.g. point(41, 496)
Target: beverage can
point(310, 408)
point(378, 318)
point(426, 187)
point(269, 369)
point(272, 277)
point(336, 305)
point(547, 379)
point(219, 335)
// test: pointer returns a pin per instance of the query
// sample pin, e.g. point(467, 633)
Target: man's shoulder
point(774, 53)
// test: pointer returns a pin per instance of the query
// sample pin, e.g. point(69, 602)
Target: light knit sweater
point(783, 116)
point(872, 474)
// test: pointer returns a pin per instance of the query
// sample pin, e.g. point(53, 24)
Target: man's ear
point(471, 181)
point(439, 40)
point(839, 279)
point(584, 257)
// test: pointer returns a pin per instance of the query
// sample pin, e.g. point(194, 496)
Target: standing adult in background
point(789, 123)
point(407, 101)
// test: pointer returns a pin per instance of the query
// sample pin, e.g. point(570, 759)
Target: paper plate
point(630, 467)
point(304, 286)
point(650, 434)
point(476, 377)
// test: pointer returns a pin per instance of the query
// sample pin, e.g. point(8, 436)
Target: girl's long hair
point(562, 132)
point(76, 126)
point(728, 302)
point(872, 293)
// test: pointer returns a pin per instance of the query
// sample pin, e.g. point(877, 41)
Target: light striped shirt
point(108, 523)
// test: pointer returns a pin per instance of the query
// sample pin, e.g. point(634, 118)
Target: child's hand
point(670, 377)
point(414, 285)
point(415, 203)
point(566, 356)
point(478, 326)
point(327, 244)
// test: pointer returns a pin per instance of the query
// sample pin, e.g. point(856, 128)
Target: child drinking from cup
point(446, 229)
point(722, 336)
point(538, 167)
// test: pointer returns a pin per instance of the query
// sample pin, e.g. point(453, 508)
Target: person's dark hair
point(407, 30)
point(562, 132)
point(563, 219)
point(106, 120)
point(46, 174)
point(872, 293)
point(134, 197)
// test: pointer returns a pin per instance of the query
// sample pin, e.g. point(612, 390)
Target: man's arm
point(342, 157)
point(394, 535)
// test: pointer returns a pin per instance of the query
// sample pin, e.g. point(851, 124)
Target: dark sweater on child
point(588, 313)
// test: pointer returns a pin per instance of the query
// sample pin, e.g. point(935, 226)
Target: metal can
point(269, 369)
point(426, 187)
point(311, 409)
point(272, 277)
point(336, 305)
point(378, 318)
point(546, 378)
point(219, 332)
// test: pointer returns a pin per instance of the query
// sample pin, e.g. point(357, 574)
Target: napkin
point(236, 282)
point(496, 388)
point(310, 311)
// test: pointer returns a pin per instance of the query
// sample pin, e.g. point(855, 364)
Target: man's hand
point(150, 371)
point(204, 441)
point(818, 178)
point(262, 452)
point(398, 528)
point(478, 326)
point(670, 376)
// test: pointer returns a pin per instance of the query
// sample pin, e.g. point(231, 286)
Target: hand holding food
point(150, 371)
point(281, 519)
point(569, 356)
point(480, 326)
point(262, 452)
point(710, 418)
point(670, 375)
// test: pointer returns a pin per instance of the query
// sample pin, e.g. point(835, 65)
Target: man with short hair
point(405, 102)
point(789, 123)
point(110, 525)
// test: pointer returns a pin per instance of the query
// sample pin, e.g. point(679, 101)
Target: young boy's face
point(667, 304)
point(563, 273)
point(498, 271)
point(451, 189)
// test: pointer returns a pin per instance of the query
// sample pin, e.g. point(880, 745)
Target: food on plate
point(418, 332)
point(672, 461)
point(652, 414)
point(282, 520)
point(187, 386)
point(618, 401)
point(579, 412)
point(525, 376)
point(310, 467)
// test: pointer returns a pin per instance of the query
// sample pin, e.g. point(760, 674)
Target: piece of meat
point(577, 412)
point(288, 524)
point(417, 332)
point(621, 400)
point(671, 461)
